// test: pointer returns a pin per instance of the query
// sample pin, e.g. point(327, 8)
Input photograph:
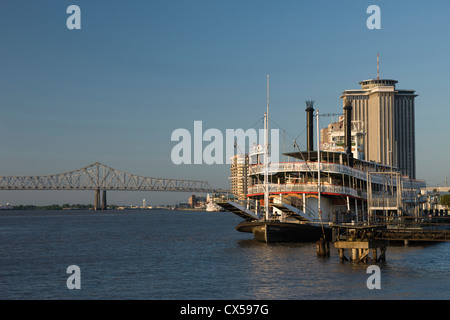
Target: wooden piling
point(322, 248)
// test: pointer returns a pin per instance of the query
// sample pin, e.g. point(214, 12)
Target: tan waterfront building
point(239, 175)
point(385, 115)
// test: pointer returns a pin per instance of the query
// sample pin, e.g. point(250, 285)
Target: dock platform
point(361, 241)
point(414, 234)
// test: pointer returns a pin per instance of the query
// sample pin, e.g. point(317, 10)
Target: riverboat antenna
point(266, 155)
point(318, 176)
point(318, 165)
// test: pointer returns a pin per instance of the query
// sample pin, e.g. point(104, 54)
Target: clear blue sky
point(115, 90)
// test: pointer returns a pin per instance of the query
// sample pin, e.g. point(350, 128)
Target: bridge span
point(99, 177)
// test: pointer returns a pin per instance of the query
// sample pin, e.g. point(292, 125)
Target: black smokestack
point(309, 126)
point(348, 130)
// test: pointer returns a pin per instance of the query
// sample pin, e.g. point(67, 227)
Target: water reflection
point(294, 271)
point(184, 255)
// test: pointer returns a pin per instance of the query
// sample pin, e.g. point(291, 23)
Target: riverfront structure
point(385, 115)
point(363, 171)
point(239, 172)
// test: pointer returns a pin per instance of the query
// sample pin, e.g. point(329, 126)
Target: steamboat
point(299, 200)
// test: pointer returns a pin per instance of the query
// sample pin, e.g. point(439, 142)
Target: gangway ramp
point(291, 211)
point(238, 210)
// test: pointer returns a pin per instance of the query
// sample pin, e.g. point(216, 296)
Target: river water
point(188, 255)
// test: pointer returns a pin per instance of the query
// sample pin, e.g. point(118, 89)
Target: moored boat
point(299, 200)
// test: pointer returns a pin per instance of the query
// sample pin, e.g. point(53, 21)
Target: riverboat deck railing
point(308, 188)
point(377, 177)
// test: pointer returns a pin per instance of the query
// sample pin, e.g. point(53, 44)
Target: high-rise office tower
point(385, 115)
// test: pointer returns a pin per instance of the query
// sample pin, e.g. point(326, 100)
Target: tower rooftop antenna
point(378, 66)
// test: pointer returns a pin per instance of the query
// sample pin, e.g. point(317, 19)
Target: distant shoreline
point(53, 207)
point(90, 207)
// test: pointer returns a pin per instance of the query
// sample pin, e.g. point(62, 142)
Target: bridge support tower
point(104, 207)
point(100, 202)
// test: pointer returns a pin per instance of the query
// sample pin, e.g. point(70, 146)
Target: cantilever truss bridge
point(98, 177)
